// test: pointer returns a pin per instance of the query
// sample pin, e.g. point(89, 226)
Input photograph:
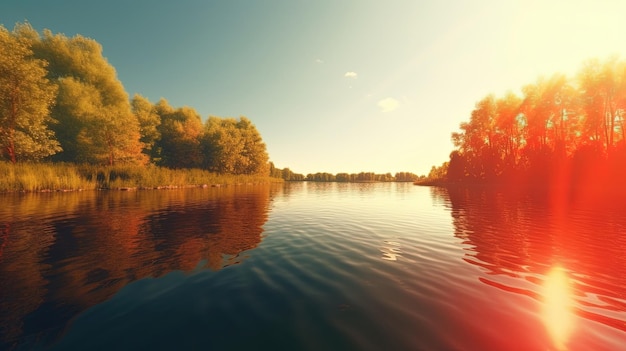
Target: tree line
point(559, 130)
point(289, 175)
point(60, 100)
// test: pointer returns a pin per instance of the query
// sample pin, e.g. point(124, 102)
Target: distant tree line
point(285, 173)
point(60, 100)
point(560, 130)
point(288, 175)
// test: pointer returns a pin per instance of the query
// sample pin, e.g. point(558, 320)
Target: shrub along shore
point(42, 177)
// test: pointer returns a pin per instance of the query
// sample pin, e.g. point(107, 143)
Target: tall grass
point(41, 176)
point(66, 176)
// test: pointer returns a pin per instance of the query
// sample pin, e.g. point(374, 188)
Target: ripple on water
point(338, 266)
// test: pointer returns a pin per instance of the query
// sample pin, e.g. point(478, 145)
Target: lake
point(311, 266)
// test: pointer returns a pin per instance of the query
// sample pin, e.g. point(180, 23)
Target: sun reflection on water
point(391, 251)
point(557, 309)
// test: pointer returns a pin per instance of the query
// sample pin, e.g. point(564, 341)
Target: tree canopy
point(179, 143)
point(96, 121)
point(559, 126)
point(26, 96)
point(361, 177)
point(61, 98)
point(234, 146)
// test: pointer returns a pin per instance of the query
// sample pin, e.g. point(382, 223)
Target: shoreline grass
point(42, 177)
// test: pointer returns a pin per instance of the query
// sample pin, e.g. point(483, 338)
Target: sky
point(337, 85)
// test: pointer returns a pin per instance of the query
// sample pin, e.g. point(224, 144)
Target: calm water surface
point(311, 266)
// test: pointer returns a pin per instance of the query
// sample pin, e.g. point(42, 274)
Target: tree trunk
point(11, 146)
point(621, 123)
point(605, 125)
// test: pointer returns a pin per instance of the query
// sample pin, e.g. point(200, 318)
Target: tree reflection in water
point(63, 253)
point(568, 256)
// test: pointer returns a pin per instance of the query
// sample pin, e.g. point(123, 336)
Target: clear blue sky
point(337, 85)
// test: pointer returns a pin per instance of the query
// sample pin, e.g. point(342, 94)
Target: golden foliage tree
point(96, 121)
point(179, 143)
point(559, 123)
point(235, 147)
point(26, 96)
point(149, 121)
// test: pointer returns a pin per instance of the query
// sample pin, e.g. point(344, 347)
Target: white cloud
point(388, 104)
point(351, 75)
point(319, 60)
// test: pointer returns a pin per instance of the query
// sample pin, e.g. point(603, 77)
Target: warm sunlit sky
point(337, 85)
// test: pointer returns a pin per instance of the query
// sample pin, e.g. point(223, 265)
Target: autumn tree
point(288, 174)
point(149, 121)
point(275, 172)
point(254, 155)
point(234, 147)
point(404, 177)
point(559, 126)
point(550, 108)
point(96, 123)
point(342, 177)
point(439, 173)
point(603, 93)
point(478, 140)
point(26, 96)
point(510, 124)
point(320, 177)
point(457, 167)
point(180, 132)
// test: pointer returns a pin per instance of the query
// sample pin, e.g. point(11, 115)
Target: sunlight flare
point(557, 309)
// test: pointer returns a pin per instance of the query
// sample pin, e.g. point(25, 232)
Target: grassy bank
point(431, 182)
point(66, 176)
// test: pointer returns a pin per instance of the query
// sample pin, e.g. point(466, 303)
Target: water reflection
point(557, 308)
point(391, 250)
point(63, 253)
point(517, 240)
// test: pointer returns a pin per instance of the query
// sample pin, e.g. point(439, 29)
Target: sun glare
point(557, 309)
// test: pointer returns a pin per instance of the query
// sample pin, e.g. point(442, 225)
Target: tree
point(234, 147)
point(320, 177)
point(180, 133)
point(603, 92)
point(149, 121)
point(254, 156)
point(25, 100)
point(275, 172)
point(342, 177)
point(456, 167)
point(438, 173)
point(221, 145)
point(561, 131)
point(478, 140)
point(509, 130)
point(405, 177)
point(96, 124)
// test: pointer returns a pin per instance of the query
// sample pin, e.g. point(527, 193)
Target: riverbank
point(559, 192)
point(431, 182)
point(49, 177)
